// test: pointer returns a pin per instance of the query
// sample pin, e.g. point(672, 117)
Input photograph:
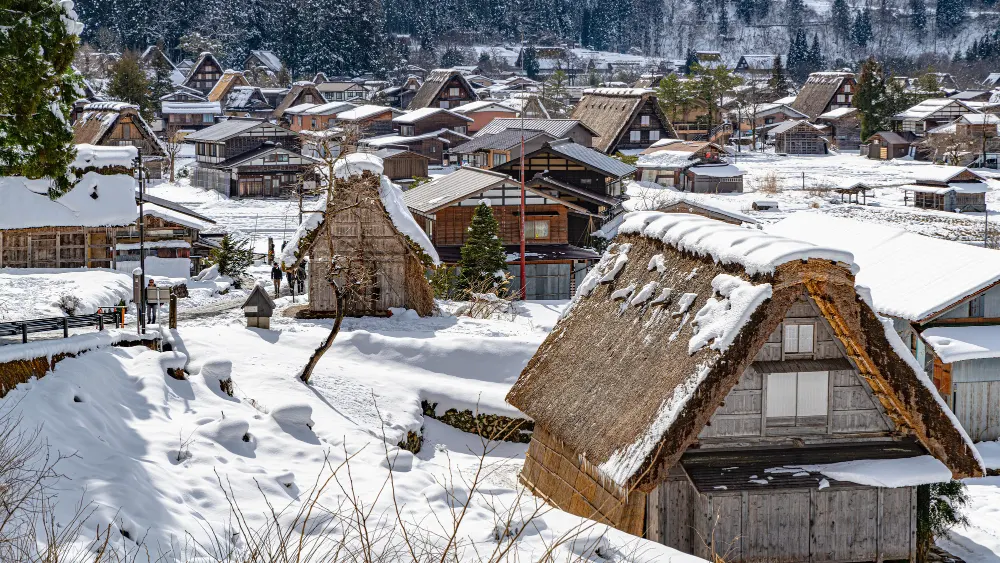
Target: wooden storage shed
point(401, 164)
point(706, 380)
point(886, 145)
point(798, 137)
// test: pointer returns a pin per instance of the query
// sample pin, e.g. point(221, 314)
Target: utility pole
point(142, 247)
point(524, 281)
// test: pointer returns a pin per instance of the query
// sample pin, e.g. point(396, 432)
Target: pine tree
point(794, 12)
point(37, 90)
point(451, 58)
point(798, 55)
point(130, 84)
point(815, 55)
point(949, 16)
point(161, 83)
point(871, 98)
point(918, 15)
point(745, 11)
point(483, 257)
point(672, 96)
point(778, 82)
point(861, 31)
point(723, 23)
point(233, 257)
point(840, 16)
point(529, 62)
point(761, 9)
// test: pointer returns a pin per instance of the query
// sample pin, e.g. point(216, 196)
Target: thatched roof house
point(705, 366)
point(825, 91)
point(623, 118)
point(115, 124)
point(368, 235)
point(444, 88)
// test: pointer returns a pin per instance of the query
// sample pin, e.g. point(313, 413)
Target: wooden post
point(24, 333)
point(65, 328)
point(173, 311)
point(100, 320)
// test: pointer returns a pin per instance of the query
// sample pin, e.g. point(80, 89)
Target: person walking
point(276, 278)
point(151, 305)
point(300, 277)
point(290, 277)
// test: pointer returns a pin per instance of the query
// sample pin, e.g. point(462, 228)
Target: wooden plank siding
point(51, 247)
point(451, 227)
point(977, 406)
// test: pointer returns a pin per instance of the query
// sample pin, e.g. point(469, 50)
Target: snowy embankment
point(35, 293)
point(156, 457)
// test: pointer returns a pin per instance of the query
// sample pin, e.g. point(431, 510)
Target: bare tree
point(950, 147)
point(172, 143)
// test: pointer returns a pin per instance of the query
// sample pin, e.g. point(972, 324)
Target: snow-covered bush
point(296, 414)
point(69, 304)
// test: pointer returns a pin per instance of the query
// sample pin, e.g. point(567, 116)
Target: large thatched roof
point(98, 120)
point(817, 92)
point(609, 112)
point(436, 80)
point(662, 329)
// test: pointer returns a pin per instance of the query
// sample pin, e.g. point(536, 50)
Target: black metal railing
point(105, 316)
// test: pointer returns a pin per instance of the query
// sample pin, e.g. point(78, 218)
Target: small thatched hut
point(731, 393)
point(374, 243)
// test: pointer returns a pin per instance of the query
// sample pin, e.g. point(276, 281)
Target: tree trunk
point(317, 354)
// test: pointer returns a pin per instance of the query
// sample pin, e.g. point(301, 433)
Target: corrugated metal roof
point(558, 128)
point(426, 198)
point(500, 141)
point(224, 130)
point(590, 157)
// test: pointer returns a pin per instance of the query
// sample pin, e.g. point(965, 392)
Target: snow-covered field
point(35, 293)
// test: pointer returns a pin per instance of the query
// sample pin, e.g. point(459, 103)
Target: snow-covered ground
point(35, 293)
point(156, 458)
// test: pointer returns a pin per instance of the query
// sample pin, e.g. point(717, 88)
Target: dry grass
point(769, 183)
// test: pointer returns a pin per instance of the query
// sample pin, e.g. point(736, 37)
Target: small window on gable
point(454, 92)
point(797, 398)
point(654, 135)
point(644, 121)
point(799, 338)
point(976, 306)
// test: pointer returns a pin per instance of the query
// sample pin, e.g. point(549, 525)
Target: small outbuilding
point(798, 137)
point(258, 308)
point(722, 390)
point(714, 178)
point(886, 145)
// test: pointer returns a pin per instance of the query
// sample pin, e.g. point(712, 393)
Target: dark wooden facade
point(403, 165)
point(451, 227)
point(205, 73)
point(802, 138)
point(57, 247)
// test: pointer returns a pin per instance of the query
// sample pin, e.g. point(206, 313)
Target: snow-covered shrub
point(297, 414)
point(69, 304)
point(219, 373)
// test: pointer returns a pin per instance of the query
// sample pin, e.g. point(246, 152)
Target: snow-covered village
point(434, 281)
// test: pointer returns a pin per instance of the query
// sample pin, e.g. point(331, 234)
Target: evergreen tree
point(815, 58)
point(871, 98)
point(529, 62)
point(690, 63)
point(673, 97)
point(861, 31)
point(778, 82)
point(794, 13)
point(451, 58)
point(798, 55)
point(161, 84)
point(761, 9)
point(918, 15)
point(745, 11)
point(840, 16)
point(130, 84)
point(555, 86)
point(233, 257)
point(483, 257)
point(38, 39)
point(723, 23)
point(949, 16)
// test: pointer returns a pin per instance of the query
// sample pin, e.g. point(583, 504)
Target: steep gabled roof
point(205, 57)
point(230, 128)
point(268, 59)
point(818, 90)
point(505, 140)
point(609, 112)
point(416, 115)
point(445, 190)
point(436, 80)
point(662, 329)
point(98, 120)
point(596, 160)
point(291, 98)
point(230, 78)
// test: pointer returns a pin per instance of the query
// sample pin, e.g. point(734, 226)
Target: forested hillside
point(354, 36)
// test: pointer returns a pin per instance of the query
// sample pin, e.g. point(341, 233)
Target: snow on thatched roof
point(818, 90)
point(392, 199)
point(663, 327)
point(436, 81)
point(96, 200)
point(99, 119)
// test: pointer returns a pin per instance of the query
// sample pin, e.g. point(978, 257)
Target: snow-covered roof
point(716, 170)
point(192, 107)
point(270, 60)
point(959, 343)
point(109, 106)
point(404, 140)
point(174, 216)
point(786, 125)
point(756, 251)
point(894, 261)
point(364, 112)
point(153, 244)
point(331, 108)
point(838, 113)
point(392, 200)
point(482, 105)
point(618, 91)
point(940, 173)
point(422, 113)
point(96, 200)
point(957, 187)
point(666, 159)
point(93, 156)
point(928, 107)
point(785, 100)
